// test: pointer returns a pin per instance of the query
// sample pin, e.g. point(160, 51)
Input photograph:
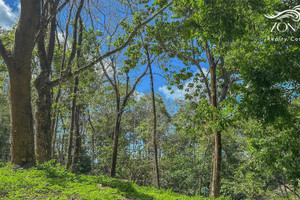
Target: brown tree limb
point(75, 32)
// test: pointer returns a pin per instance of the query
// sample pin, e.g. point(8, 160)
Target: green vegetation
point(182, 99)
point(48, 182)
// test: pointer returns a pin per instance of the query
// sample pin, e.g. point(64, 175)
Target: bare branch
point(75, 32)
point(66, 39)
point(108, 78)
point(65, 77)
point(62, 6)
point(133, 88)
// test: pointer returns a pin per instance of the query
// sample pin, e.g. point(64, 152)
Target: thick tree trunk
point(115, 145)
point(18, 62)
point(43, 134)
point(156, 169)
point(22, 136)
point(77, 144)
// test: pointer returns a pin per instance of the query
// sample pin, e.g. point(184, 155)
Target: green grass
point(48, 182)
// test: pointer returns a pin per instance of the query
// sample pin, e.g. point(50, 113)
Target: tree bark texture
point(43, 106)
point(18, 62)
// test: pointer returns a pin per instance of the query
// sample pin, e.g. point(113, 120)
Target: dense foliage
point(215, 74)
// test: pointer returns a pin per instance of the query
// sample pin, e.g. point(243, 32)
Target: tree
point(154, 134)
point(210, 28)
point(43, 82)
point(18, 62)
point(120, 104)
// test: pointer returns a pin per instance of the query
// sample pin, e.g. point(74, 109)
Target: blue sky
point(9, 12)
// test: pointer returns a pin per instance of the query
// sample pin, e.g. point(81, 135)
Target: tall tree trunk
point(43, 135)
point(54, 121)
point(18, 62)
point(54, 136)
point(62, 150)
point(92, 144)
point(93, 153)
point(154, 127)
point(77, 107)
point(115, 145)
point(77, 144)
point(22, 136)
point(70, 138)
point(215, 185)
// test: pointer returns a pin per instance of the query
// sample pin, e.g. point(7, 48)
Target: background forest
point(197, 97)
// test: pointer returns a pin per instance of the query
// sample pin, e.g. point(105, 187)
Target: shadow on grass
point(128, 189)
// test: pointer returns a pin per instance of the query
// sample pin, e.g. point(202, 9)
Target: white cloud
point(180, 94)
point(8, 17)
point(177, 95)
point(138, 95)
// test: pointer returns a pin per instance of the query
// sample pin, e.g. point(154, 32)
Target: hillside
point(47, 182)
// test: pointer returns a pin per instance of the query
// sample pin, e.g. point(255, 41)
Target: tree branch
point(3, 52)
point(133, 88)
point(67, 76)
point(178, 53)
point(75, 32)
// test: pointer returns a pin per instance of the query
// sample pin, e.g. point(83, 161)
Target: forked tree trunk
point(43, 106)
point(18, 62)
point(44, 136)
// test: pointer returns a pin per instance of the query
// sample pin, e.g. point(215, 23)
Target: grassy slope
point(47, 182)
